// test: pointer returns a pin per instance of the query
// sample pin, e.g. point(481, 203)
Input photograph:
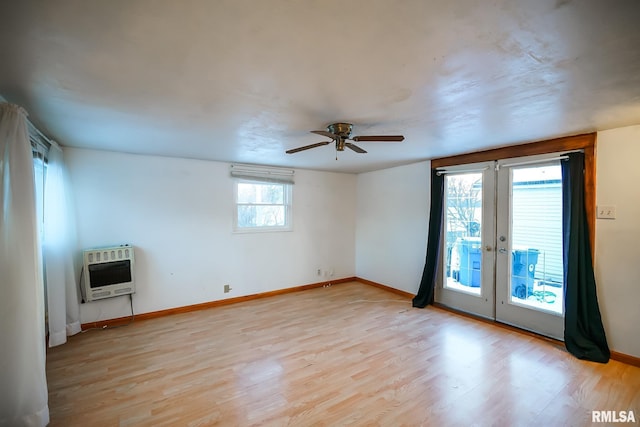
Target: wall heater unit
point(108, 272)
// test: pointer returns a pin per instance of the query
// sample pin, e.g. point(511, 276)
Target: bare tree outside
point(260, 204)
point(463, 223)
point(463, 204)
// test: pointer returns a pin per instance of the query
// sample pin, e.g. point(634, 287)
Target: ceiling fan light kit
point(340, 133)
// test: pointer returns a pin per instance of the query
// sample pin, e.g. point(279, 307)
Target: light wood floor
point(350, 354)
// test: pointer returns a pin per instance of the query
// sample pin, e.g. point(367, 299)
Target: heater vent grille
point(108, 272)
point(108, 254)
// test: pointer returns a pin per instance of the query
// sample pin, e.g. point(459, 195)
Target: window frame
point(287, 203)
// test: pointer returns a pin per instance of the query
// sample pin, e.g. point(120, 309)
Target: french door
point(467, 274)
point(502, 243)
point(529, 266)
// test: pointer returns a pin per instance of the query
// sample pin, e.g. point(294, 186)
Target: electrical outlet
point(319, 273)
point(607, 212)
point(227, 288)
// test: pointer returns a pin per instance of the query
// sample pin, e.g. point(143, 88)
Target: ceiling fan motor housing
point(343, 130)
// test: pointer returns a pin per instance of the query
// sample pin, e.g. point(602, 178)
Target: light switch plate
point(607, 212)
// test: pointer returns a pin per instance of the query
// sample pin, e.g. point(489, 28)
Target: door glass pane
point(536, 278)
point(463, 226)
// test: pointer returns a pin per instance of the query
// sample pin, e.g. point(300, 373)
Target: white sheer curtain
point(59, 246)
point(23, 390)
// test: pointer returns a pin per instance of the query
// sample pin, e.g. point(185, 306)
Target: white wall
point(392, 223)
point(178, 215)
point(617, 258)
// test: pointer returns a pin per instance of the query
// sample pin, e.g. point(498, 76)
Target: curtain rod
point(531, 162)
point(444, 171)
point(563, 156)
point(35, 134)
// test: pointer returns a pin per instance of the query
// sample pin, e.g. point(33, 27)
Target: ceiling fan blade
point(379, 138)
point(307, 147)
point(354, 147)
point(325, 133)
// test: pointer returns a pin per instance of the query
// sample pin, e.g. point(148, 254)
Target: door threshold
point(554, 341)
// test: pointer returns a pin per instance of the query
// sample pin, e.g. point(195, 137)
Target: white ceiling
point(245, 80)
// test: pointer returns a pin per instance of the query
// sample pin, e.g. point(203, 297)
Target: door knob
point(488, 248)
point(502, 250)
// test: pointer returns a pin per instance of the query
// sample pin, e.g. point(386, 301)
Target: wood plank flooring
point(350, 354)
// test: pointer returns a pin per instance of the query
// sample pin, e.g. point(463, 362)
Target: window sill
point(258, 230)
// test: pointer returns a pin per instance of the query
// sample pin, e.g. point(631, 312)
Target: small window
point(262, 206)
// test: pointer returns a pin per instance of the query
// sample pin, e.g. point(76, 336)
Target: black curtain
point(427, 284)
point(583, 331)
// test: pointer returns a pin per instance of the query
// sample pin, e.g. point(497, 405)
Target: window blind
point(262, 173)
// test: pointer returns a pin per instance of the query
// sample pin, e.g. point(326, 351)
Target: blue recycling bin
point(470, 253)
point(523, 270)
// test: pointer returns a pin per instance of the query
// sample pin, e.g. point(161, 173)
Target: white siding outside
point(537, 224)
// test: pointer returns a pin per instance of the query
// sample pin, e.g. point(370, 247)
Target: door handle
point(502, 250)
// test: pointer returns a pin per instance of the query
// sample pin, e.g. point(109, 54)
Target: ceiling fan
point(340, 133)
